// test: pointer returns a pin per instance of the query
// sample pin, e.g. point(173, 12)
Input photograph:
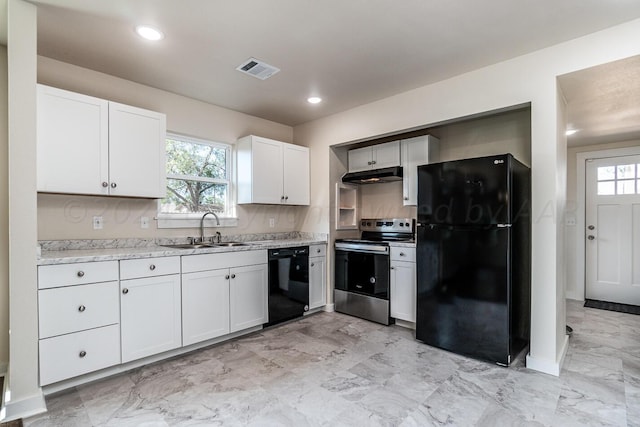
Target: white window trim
point(192, 220)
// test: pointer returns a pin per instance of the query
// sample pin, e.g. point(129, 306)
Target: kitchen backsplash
point(80, 244)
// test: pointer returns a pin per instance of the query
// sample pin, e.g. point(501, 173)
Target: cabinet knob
point(591, 227)
point(80, 273)
point(125, 291)
point(233, 276)
point(402, 254)
point(105, 184)
point(318, 250)
point(406, 198)
point(392, 268)
point(286, 197)
point(282, 198)
point(591, 237)
point(373, 162)
point(113, 185)
point(82, 354)
point(313, 264)
point(369, 163)
point(152, 267)
point(226, 277)
point(82, 308)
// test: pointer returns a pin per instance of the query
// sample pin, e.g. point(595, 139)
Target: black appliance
point(374, 176)
point(362, 276)
point(474, 257)
point(288, 283)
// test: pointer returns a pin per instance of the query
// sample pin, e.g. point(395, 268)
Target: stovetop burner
point(381, 231)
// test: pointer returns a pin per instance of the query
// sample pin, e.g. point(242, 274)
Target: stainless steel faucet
point(202, 224)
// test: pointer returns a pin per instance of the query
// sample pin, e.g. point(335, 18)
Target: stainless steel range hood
point(374, 176)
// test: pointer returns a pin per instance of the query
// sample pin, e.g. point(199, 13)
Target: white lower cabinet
point(205, 299)
point(223, 293)
point(317, 276)
point(248, 297)
point(403, 284)
point(70, 355)
point(150, 316)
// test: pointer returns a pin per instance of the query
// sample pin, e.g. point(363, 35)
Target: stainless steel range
point(362, 268)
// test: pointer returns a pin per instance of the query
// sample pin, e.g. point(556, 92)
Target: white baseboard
point(330, 308)
point(24, 408)
point(548, 366)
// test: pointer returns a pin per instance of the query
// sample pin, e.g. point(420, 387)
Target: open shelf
point(346, 206)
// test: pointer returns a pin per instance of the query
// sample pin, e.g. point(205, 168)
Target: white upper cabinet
point(88, 145)
point(272, 172)
point(416, 151)
point(375, 157)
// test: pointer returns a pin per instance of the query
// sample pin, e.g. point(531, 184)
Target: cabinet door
point(296, 174)
point(150, 316)
point(317, 282)
point(73, 142)
point(386, 155)
point(205, 305)
point(360, 159)
point(403, 291)
point(137, 165)
point(267, 169)
point(248, 296)
point(415, 152)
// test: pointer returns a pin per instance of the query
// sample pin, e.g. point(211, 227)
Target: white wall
point(4, 217)
point(527, 79)
point(70, 217)
point(26, 396)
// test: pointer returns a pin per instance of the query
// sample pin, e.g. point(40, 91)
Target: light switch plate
point(272, 222)
point(97, 223)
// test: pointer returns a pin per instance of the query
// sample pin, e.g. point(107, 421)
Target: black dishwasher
point(288, 283)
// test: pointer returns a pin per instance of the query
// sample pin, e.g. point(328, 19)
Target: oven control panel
point(401, 225)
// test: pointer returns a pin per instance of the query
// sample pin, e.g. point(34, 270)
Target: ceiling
point(349, 52)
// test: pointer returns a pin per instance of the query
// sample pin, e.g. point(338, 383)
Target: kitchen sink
point(188, 246)
point(229, 244)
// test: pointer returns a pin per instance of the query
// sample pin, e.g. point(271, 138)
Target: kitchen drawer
point(75, 354)
point(149, 267)
point(51, 276)
point(317, 250)
point(76, 308)
point(204, 262)
point(403, 254)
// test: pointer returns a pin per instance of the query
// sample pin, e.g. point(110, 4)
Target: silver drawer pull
point(233, 276)
point(125, 291)
point(226, 277)
point(114, 185)
point(82, 308)
point(105, 184)
point(152, 267)
point(82, 354)
point(80, 273)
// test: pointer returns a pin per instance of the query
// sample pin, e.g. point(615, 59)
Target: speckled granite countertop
point(152, 249)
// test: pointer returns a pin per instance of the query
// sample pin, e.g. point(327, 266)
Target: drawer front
point(77, 308)
point(204, 262)
point(71, 355)
point(403, 254)
point(317, 250)
point(149, 267)
point(51, 276)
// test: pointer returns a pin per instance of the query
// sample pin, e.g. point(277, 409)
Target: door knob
point(591, 237)
point(591, 227)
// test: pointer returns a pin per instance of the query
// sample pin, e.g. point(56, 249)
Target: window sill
point(193, 221)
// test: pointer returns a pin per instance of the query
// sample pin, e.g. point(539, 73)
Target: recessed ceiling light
point(571, 132)
point(314, 100)
point(149, 33)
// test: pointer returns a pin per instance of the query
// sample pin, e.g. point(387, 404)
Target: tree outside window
point(197, 176)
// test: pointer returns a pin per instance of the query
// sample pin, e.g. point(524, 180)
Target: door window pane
point(626, 172)
point(628, 186)
point(606, 172)
point(606, 188)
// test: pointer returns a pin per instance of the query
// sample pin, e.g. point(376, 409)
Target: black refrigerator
point(474, 257)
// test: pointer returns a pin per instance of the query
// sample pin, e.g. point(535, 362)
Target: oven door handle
point(367, 249)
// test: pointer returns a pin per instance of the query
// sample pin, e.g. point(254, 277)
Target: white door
point(205, 298)
point(248, 297)
point(296, 174)
point(403, 291)
point(360, 159)
point(267, 171)
point(317, 282)
point(612, 243)
point(386, 155)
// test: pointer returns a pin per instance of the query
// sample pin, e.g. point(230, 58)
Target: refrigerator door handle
point(503, 225)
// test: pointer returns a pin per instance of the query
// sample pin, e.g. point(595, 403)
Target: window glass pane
point(627, 186)
point(606, 172)
point(607, 188)
point(626, 171)
point(193, 159)
point(184, 196)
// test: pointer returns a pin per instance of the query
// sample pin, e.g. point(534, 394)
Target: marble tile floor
point(331, 369)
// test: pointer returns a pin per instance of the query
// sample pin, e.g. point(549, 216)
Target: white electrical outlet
point(144, 222)
point(97, 223)
point(272, 222)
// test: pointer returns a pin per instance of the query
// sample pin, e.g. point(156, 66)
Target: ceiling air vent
point(256, 68)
